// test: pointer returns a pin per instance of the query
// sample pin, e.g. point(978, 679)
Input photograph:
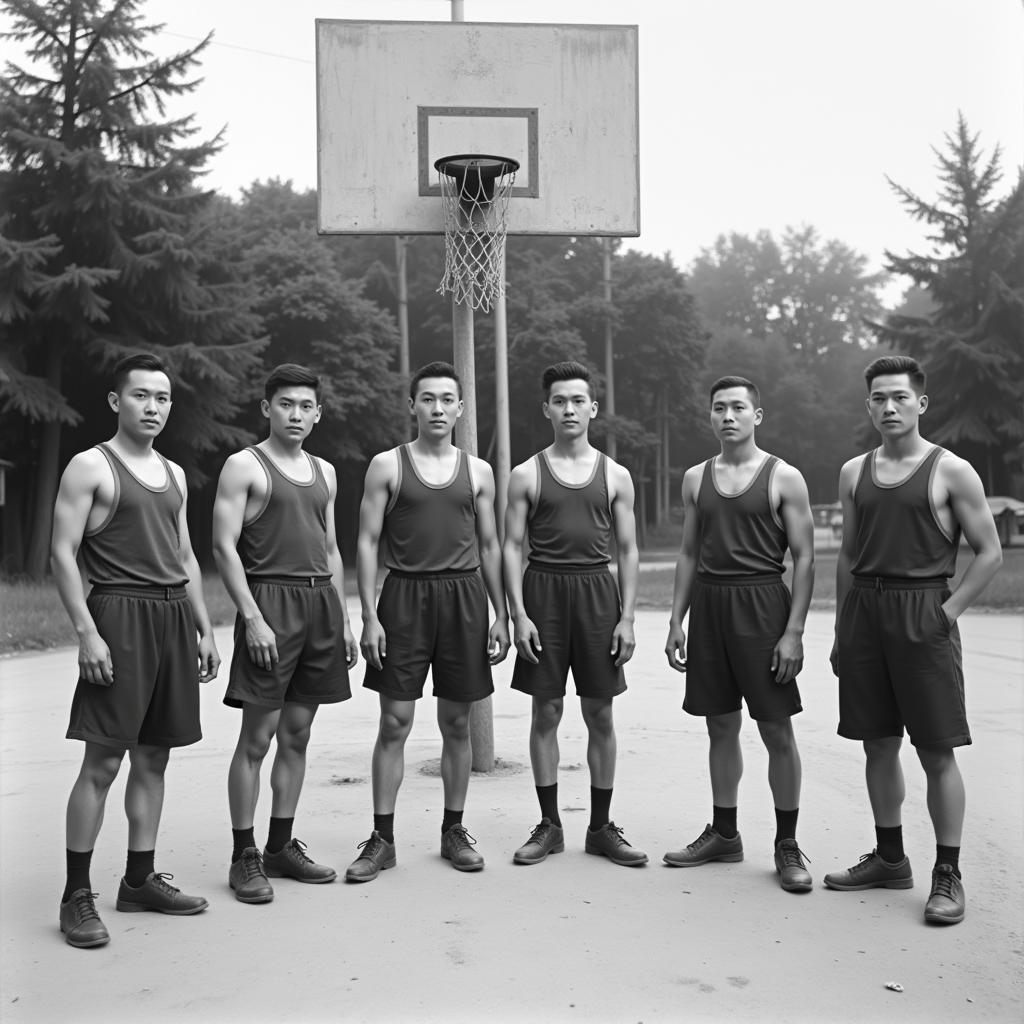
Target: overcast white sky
point(753, 113)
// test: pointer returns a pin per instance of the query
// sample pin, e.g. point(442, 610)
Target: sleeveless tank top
point(431, 527)
point(138, 544)
point(898, 533)
point(571, 523)
point(287, 536)
point(739, 533)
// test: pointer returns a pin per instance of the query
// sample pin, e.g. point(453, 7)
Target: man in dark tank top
point(429, 508)
point(741, 510)
point(275, 546)
point(897, 652)
point(569, 613)
point(121, 506)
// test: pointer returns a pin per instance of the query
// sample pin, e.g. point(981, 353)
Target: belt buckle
point(312, 582)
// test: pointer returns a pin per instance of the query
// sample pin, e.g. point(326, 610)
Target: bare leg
point(257, 730)
point(289, 768)
point(396, 718)
point(601, 743)
point(784, 769)
point(884, 775)
point(725, 758)
point(946, 797)
point(144, 795)
point(88, 797)
point(544, 753)
point(456, 753)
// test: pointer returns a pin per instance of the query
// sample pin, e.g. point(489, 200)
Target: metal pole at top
point(458, 10)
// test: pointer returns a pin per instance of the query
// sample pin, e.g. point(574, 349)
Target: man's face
point(437, 406)
point(570, 407)
point(143, 404)
point(292, 412)
point(894, 406)
point(733, 415)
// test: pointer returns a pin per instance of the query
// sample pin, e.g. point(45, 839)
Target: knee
point(100, 772)
point(456, 727)
point(393, 729)
point(293, 741)
point(254, 746)
point(724, 728)
point(936, 761)
point(546, 716)
point(778, 738)
point(600, 722)
point(885, 749)
point(150, 760)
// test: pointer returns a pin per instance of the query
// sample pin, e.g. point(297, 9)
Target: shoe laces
point(252, 865)
point(299, 851)
point(460, 838)
point(85, 906)
point(161, 880)
point(792, 856)
point(865, 862)
point(612, 829)
point(702, 840)
point(942, 883)
point(371, 847)
point(540, 832)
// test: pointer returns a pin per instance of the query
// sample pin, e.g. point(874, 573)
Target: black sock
point(384, 826)
point(139, 867)
point(600, 807)
point(242, 838)
point(948, 855)
point(785, 824)
point(78, 872)
point(890, 843)
point(548, 797)
point(450, 818)
point(279, 834)
point(723, 821)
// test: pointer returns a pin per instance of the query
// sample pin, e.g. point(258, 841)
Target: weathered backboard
point(394, 96)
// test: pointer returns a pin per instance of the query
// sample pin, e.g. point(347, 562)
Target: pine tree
point(972, 342)
point(101, 240)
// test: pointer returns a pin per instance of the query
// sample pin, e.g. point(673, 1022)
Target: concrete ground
point(574, 939)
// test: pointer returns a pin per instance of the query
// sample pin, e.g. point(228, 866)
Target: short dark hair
point(569, 370)
point(435, 369)
point(886, 366)
point(290, 375)
point(137, 361)
point(733, 381)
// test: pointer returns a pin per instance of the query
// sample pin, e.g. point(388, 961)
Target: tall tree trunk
point(37, 558)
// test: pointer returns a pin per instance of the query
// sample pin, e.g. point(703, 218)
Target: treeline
point(109, 244)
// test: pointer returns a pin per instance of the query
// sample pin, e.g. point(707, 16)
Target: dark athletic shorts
point(575, 610)
point(436, 621)
point(154, 699)
point(306, 617)
point(900, 664)
point(734, 625)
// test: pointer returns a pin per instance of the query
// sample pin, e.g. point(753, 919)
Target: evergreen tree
point(971, 342)
point(102, 249)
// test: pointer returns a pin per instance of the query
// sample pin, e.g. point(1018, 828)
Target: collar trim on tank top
point(906, 479)
point(142, 483)
point(427, 483)
point(739, 494)
point(564, 483)
point(289, 478)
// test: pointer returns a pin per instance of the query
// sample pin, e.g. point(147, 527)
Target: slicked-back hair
point(435, 369)
point(736, 382)
point(291, 375)
point(887, 366)
point(569, 370)
point(139, 361)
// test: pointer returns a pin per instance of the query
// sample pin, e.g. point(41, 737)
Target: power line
point(244, 49)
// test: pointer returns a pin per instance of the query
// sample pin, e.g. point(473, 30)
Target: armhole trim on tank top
point(607, 479)
point(393, 500)
point(258, 456)
point(470, 480)
point(178, 491)
point(102, 449)
point(772, 468)
point(931, 499)
point(533, 505)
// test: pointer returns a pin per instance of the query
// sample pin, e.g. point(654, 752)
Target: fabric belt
point(147, 593)
point(900, 583)
point(568, 568)
point(757, 580)
point(291, 581)
point(444, 574)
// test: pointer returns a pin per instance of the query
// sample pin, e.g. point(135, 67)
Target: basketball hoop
point(475, 190)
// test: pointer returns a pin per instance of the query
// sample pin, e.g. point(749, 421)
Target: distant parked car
point(1009, 516)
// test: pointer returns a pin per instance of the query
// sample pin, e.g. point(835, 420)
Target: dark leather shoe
point(947, 902)
point(608, 841)
point(457, 846)
point(707, 847)
point(377, 856)
point(544, 839)
point(291, 862)
point(80, 922)
point(871, 872)
point(789, 863)
point(249, 879)
point(157, 893)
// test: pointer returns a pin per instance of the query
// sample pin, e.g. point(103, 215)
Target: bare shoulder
point(383, 469)
point(330, 475)
point(618, 474)
point(790, 479)
point(86, 471)
point(850, 470)
point(958, 475)
point(178, 473)
point(691, 482)
point(481, 468)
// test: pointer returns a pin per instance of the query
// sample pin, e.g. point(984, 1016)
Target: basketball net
point(475, 202)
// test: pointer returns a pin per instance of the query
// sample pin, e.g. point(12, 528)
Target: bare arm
point(795, 509)
point(967, 500)
point(527, 639)
point(624, 524)
point(686, 571)
point(209, 659)
point(78, 487)
point(336, 565)
point(380, 477)
point(844, 578)
point(490, 560)
point(237, 479)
